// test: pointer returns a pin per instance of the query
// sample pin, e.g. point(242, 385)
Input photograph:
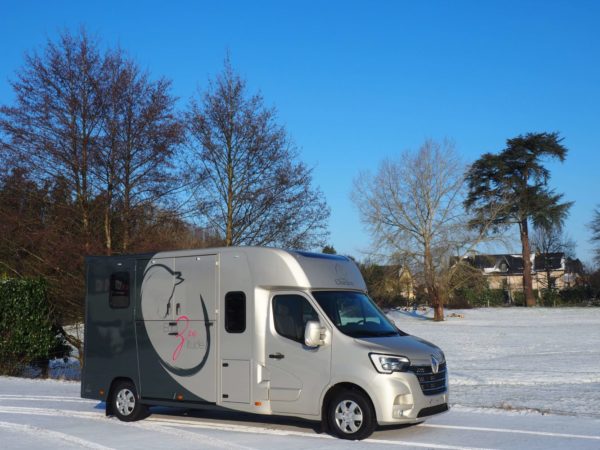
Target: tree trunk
point(126, 215)
point(107, 222)
point(44, 365)
point(229, 229)
point(432, 291)
point(527, 280)
point(128, 187)
point(107, 233)
point(438, 310)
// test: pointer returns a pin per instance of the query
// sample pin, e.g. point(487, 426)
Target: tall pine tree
point(516, 181)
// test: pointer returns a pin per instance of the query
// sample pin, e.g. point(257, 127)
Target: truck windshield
point(355, 314)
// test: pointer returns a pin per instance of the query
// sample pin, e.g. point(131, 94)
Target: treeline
point(429, 212)
point(99, 157)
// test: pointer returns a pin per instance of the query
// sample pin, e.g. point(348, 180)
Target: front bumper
point(399, 399)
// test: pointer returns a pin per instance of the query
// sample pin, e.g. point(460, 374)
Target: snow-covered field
point(545, 359)
point(520, 378)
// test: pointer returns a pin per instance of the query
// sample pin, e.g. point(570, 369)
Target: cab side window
point(290, 314)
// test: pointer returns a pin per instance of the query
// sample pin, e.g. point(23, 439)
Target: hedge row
point(578, 296)
point(27, 334)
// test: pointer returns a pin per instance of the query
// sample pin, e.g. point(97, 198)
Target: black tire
point(350, 415)
point(125, 402)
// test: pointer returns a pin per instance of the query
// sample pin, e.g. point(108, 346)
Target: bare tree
point(142, 133)
point(87, 148)
point(54, 127)
point(248, 182)
point(595, 229)
point(38, 239)
point(413, 207)
point(548, 241)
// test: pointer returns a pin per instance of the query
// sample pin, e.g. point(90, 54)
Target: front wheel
point(125, 403)
point(351, 416)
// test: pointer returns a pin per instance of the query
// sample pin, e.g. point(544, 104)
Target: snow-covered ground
point(545, 359)
point(520, 378)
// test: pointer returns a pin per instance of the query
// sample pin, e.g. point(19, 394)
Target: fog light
point(402, 403)
point(397, 411)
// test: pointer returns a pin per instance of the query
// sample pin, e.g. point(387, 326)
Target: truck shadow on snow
point(248, 419)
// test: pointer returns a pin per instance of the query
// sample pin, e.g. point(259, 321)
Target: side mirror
point(312, 334)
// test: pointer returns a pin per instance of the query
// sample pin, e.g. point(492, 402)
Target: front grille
point(431, 383)
point(433, 410)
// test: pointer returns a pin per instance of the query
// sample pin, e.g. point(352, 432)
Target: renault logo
point(435, 364)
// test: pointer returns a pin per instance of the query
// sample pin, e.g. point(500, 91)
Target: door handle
point(175, 332)
point(276, 356)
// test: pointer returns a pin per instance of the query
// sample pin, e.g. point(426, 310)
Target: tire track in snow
point(51, 434)
point(204, 439)
point(512, 431)
point(173, 427)
point(50, 398)
point(50, 412)
point(275, 432)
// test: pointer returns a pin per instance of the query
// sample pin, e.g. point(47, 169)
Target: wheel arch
point(339, 387)
point(109, 396)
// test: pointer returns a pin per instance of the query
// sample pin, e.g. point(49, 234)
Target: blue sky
point(355, 82)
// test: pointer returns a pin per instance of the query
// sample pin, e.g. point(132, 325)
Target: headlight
point(389, 363)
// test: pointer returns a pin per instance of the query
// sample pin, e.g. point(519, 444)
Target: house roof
point(548, 261)
point(508, 264)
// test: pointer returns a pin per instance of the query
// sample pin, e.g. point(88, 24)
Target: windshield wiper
point(387, 333)
point(365, 333)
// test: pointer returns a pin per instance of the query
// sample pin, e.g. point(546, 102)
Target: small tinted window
point(235, 312)
point(290, 314)
point(119, 290)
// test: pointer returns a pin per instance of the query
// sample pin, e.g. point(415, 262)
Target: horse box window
point(235, 312)
point(119, 290)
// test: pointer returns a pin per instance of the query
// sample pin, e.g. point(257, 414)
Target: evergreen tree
point(516, 181)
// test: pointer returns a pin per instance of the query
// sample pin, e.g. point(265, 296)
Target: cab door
point(298, 374)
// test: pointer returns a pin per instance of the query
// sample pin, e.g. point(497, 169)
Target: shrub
point(550, 298)
point(578, 295)
point(27, 335)
point(519, 297)
point(473, 298)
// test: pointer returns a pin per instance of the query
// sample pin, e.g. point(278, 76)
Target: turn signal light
point(257, 403)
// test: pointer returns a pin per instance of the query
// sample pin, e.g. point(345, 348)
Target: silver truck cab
point(259, 330)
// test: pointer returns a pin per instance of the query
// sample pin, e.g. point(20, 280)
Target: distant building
point(549, 270)
point(392, 280)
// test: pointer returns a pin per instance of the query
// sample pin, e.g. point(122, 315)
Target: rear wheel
point(125, 403)
point(351, 416)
